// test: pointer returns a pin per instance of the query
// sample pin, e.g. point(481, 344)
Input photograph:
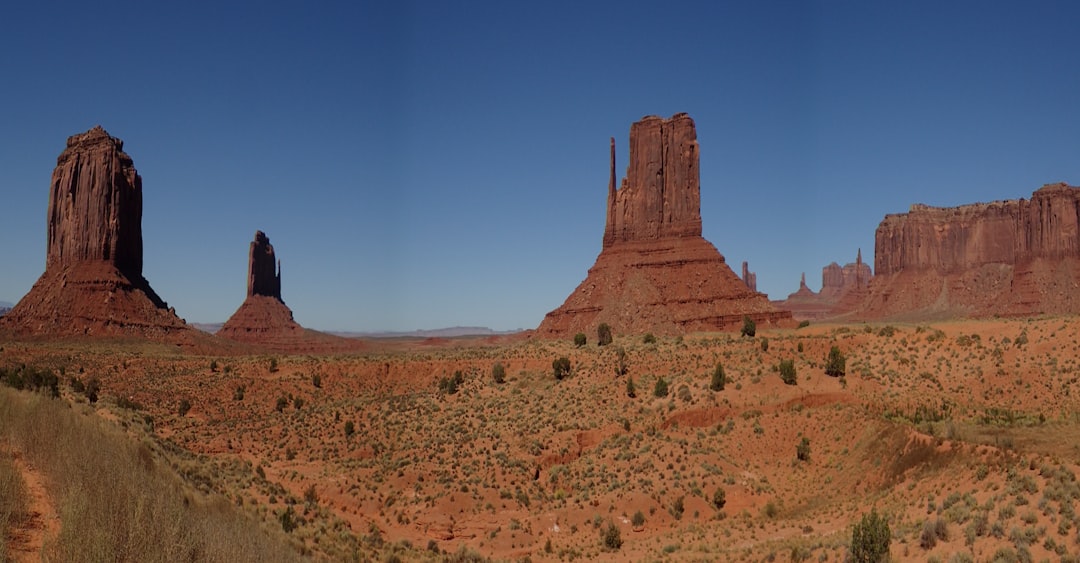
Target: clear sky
point(431, 164)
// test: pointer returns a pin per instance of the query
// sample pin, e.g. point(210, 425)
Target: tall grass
point(117, 501)
point(14, 502)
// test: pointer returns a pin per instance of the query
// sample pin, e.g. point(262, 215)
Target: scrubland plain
point(964, 436)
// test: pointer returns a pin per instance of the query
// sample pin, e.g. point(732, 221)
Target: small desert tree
point(603, 335)
point(611, 537)
point(718, 378)
point(870, 539)
point(787, 372)
point(719, 498)
point(561, 368)
point(802, 451)
point(836, 364)
point(631, 391)
point(579, 339)
point(661, 388)
point(749, 328)
point(498, 373)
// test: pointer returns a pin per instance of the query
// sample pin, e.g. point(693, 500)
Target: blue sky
point(430, 164)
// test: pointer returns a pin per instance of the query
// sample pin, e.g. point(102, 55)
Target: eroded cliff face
point(660, 197)
point(264, 270)
point(1004, 257)
point(655, 272)
point(93, 283)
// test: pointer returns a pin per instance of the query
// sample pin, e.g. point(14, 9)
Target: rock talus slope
point(655, 272)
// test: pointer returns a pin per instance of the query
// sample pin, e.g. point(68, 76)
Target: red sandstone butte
point(93, 282)
point(842, 289)
point(1012, 257)
point(655, 272)
point(264, 320)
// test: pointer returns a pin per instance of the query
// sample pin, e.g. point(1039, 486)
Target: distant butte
point(1013, 257)
point(93, 283)
point(655, 272)
point(264, 320)
point(842, 287)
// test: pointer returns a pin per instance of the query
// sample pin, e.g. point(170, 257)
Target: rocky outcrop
point(93, 282)
point(841, 287)
point(263, 319)
point(749, 278)
point(1013, 257)
point(655, 272)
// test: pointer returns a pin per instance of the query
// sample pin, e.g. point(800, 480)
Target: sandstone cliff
point(93, 282)
point(1014, 257)
point(748, 277)
point(655, 272)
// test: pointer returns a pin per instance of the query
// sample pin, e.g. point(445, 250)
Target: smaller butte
point(264, 320)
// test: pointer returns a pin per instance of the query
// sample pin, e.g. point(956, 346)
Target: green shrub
point(273, 365)
point(749, 327)
point(764, 344)
point(836, 364)
point(631, 390)
point(350, 428)
point(498, 373)
point(561, 368)
point(611, 537)
point(281, 403)
point(185, 406)
point(621, 366)
point(787, 372)
point(238, 395)
point(718, 378)
point(870, 539)
point(802, 451)
point(316, 380)
point(579, 339)
point(677, 508)
point(649, 338)
point(804, 324)
point(603, 335)
point(288, 520)
point(638, 520)
point(661, 388)
point(719, 498)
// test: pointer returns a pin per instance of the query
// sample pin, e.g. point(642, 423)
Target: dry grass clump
point(14, 501)
point(116, 501)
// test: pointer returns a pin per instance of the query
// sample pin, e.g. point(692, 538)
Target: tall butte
point(264, 320)
point(93, 282)
point(655, 272)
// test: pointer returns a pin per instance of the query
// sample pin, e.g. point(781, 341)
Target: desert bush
point(787, 372)
point(678, 507)
point(288, 520)
point(273, 365)
point(185, 406)
point(91, 389)
point(719, 498)
point(498, 373)
point(350, 428)
point(749, 327)
point(281, 403)
point(836, 363)
point(802, 451)
point(684, 393)
point(803, 324)
point(238, 394)
point(649, 338)
point(603, 335)
point(611, 537)
point(764, 344)
point(213, 366)
point(316, 380)
point(631, 390)
point(561, 368)
point(932, 531)
point(870, 539)
point(621, 366)
point(579, 339)
point(661, 388)
point(718, 378)
point(638, 520)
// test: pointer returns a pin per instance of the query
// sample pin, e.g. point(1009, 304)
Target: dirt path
point(43, 521)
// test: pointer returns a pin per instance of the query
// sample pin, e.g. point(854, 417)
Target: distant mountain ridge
point(450, 332)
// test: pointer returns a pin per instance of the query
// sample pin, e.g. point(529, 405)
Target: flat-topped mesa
point(660, 197)
point(95, 205)
point(1009, 257)
point(264, 270)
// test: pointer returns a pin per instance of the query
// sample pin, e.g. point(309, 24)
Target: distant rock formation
point(655, 272)
point(1013, 257)
point(748, 277)
point(93, 282)
point(264, 320)
point(841, 289)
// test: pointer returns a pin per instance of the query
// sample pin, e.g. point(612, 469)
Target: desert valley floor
point(965, 435)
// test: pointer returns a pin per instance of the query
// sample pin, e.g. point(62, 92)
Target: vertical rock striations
point(1013, 257)
point(655, 272)
point(264, 270)
point(93, 282)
